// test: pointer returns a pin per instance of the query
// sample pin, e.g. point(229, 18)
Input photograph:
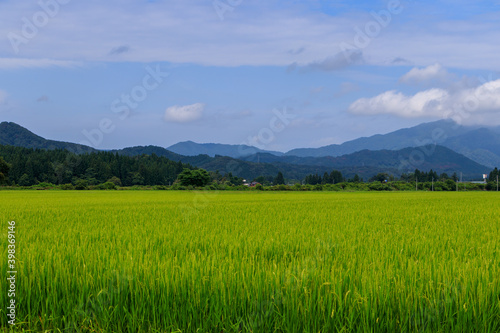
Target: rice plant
point(165, 261)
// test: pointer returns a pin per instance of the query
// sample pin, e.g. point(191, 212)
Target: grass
point(166, 261)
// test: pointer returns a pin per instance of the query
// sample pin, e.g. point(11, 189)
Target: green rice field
point(167, 261)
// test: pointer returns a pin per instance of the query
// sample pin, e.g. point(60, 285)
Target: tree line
point(26, 167)
point(333, 177)
point(336, 177)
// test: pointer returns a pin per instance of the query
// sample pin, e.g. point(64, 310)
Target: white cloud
point(425, 103)
point(480, 105)
point(254, 33)
point(184, 114)
point(14, 63)
point(485, 97)
point(430, 74)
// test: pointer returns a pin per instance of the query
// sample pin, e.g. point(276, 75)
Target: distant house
point(252, 184)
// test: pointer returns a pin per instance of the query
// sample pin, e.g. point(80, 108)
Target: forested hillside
point(30, 166)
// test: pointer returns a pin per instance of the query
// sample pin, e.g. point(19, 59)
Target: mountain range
point(428, 146)
point(481, 145)
point(190, 148)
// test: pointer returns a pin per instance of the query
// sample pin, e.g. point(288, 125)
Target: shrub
point(197, 177)
point(450, 185)
point(107, 186)
point(318, 187)
point(491, 186)
point(81, 184)
point(45, 185)
point(66, 187)
point(283, 187)
point(115, 180)
point(379, 187)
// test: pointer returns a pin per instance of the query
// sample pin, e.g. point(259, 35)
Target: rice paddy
point(166, 261)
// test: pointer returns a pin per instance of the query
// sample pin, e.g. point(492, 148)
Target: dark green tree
point(4, 171)
point(313, 179)
point(419, 176)
point(327, 179)
point(336, 177)
point(260, 179)
point(25, 180)
point(236, 181)
point(356, 179)
point(380, 177)
point(494, 174)
point(432, 175)
point(198, 177)
point(279, 180)
point(444, 176)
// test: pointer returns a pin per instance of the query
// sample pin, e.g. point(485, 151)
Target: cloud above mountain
point(477, 105)
point(423, 104)
point(433, 74)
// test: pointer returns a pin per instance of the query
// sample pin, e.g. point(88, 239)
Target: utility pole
point(432, 184)
point(416, 184)
point(497, 183)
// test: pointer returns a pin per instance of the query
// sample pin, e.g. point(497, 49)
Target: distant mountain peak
point(13, 134)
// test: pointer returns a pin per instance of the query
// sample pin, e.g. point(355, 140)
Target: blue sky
point(278, 74)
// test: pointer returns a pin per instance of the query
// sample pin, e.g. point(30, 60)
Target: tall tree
point(356, 179)
point(4, 171)
point(336, 177)
point(494, 174)
point(279, 180)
